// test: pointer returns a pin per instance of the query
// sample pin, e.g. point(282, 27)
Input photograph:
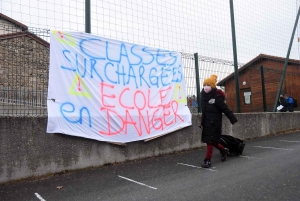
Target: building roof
point(18, 24)
point(25, 33)
point(256, 59)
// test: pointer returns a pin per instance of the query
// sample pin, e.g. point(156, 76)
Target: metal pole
point(286, 62)
point(263, 87)
point(236, 74)
point(87, 16)
point(198, 82)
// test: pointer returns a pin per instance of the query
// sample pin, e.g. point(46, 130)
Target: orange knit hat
point(211, 81)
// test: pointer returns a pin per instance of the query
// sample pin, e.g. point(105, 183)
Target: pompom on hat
point(211, 81)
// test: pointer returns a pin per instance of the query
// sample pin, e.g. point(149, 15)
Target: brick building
point(263, 73)
point(24, 64)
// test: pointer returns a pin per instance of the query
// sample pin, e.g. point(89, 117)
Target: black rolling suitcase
point(235, 145)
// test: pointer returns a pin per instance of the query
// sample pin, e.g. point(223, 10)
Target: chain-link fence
point(24, 66)
point(24, 72)
point(184, 26)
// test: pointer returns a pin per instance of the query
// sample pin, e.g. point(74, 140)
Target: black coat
point(213, 106)
point(282, 102)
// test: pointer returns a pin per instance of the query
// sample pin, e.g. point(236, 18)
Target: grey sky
point(184, 25)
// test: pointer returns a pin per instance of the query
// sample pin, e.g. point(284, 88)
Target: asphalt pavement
point(269, 169)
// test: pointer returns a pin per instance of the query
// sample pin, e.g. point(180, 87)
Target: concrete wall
point(26, 150)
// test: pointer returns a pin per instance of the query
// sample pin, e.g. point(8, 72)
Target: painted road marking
point(39, 197)
point(249, 157)
point(288, 141)
point(272, 148)
point(137, 182)
point(197, 167)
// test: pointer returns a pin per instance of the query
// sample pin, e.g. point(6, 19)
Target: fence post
point(263, 87)
point(286, 62)
point(87, 16)
point(236, 73)
point(197, 82)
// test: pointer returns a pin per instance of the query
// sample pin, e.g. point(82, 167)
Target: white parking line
point(288, 141)
point(39, 197)
point(249, 157)
point(137, 182)
point(272, 148)
point(196, 167)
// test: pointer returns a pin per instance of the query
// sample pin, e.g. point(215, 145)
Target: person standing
point(194, 101)
point(289, 103)
point(213, 105)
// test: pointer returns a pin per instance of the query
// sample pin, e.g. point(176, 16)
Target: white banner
point(113, 91)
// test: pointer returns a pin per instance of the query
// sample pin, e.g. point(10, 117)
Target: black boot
point(206, 163)
point(224, 154)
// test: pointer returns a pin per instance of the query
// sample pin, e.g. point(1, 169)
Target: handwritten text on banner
point(109, 90)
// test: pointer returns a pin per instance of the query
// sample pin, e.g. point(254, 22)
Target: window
point(247, 97)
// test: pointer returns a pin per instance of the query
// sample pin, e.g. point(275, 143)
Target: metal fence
point(183, 26)
point(28, 98)
point(24, 67)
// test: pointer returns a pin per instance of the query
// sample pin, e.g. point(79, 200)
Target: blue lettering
point(164, 75)
point(161, 56)
point(140, 58)
point(174, 57)
point(105, 72)
point(107, 56)
point(123, 47)
point(131, 75)
point(144, 50)
point(177, 71)
point(123, 74)
point(141, 72)
point(79, 120)
point(91, 50)
point(153, 78)
point(163, 59)
point(93, 63)
point(67, 68)
point(126, 64)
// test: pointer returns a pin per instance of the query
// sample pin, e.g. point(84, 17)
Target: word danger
point(142, 113)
